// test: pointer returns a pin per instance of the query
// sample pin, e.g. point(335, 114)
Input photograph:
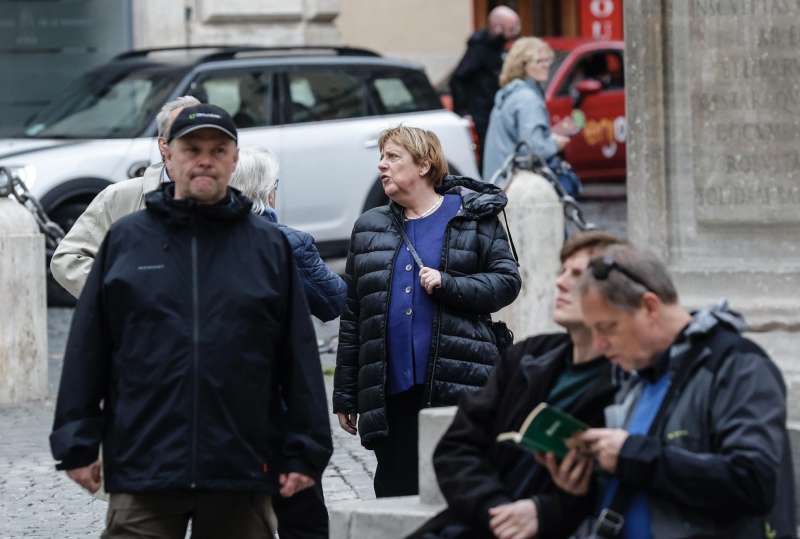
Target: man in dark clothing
point(696, 444)
point(476, 78)
point(498, 489)
point(192, 357)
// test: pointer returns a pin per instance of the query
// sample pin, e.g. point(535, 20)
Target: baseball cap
point(202, 117)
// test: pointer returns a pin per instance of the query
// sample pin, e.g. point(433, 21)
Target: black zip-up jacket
point(194, 334)
point(476, 473)
point(477, 78)
point(479, 277)
point(716, 461)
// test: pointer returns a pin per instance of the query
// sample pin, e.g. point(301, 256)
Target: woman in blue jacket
point(520, 113)
point(256, 176)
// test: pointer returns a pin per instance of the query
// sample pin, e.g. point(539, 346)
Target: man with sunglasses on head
point(696, 443)
point(499, 490)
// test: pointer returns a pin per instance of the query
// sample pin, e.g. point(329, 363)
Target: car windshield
point(105, 105)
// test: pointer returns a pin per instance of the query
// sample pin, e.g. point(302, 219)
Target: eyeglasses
point(601, 267)
point(274, 187)
point(544, 61)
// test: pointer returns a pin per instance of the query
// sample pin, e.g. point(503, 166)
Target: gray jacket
point(715, 462)
point(75, 254)
point(519, 114)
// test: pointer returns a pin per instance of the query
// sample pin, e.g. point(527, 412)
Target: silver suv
point(319, 109)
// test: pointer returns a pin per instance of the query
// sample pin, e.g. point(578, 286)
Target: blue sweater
point(411, 309)
point(325, 291)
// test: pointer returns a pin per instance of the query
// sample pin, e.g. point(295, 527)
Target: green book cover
point(545, 430)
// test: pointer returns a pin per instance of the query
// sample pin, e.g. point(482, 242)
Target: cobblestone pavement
point(37, 501)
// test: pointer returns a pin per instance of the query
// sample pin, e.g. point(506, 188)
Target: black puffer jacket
point(479, 277)
point(209, 378)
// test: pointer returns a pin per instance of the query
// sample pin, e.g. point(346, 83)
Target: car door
point(597, 152)
point(329, 149)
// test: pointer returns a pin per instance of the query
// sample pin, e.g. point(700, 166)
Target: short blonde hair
point(423, 145)
point(524, 51)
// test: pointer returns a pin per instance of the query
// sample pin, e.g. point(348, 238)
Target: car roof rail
point(220, 52)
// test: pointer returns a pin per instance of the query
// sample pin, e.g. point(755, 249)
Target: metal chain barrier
point(528, 161)
point(13, 186)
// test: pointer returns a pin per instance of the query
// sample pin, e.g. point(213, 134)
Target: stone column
point(23, 303)
point(713, 154)
point(536, 223)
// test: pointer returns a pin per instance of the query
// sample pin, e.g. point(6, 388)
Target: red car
point(587, 83)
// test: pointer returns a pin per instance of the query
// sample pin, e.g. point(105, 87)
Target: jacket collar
point(162, 202)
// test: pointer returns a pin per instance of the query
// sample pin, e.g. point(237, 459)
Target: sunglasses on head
point(602, 266)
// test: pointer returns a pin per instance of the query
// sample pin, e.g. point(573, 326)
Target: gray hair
point(162, 118)
point(256, 176)
point(623, 292)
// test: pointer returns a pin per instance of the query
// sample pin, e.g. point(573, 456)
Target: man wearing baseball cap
point(192, 357)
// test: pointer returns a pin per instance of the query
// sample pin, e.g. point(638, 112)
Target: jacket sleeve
point(468, 478)
point(325, 291)
point(345, 378)
point(308, 445)
point(78, 423)
point(747, 415)
point(534, 126)
point(489, 290)
point(75, 254)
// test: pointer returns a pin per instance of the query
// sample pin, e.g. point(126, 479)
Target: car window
point(605, 67)
point(403, 91)
point(324, 94)
point(245, 95)
point(105, 105)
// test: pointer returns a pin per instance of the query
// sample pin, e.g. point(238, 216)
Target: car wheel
point(65, 215)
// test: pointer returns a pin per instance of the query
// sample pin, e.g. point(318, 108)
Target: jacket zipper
point(432, 370)
point(195, 352)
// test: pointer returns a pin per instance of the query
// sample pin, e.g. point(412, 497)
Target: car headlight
point(26, 173)
point(5, 182)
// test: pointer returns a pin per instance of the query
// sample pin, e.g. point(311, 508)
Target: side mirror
point(583, 89)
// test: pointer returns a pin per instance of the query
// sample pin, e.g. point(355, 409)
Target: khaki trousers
point(166, 515)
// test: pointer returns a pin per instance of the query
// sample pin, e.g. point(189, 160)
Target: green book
point(545, 430)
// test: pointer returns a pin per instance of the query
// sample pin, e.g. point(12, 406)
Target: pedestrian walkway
point(37, 501)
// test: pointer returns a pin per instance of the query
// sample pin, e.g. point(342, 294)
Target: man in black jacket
point(696, 444)
point(192, 357)
point(476, 78)
point(499, 490)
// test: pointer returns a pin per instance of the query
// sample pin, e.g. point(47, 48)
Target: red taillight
point(476, 142)
point(447, 101)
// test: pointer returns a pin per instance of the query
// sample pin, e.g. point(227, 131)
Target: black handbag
point(503, 337)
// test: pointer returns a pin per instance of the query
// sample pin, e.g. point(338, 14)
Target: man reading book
point(498, 489)
point(696, 444)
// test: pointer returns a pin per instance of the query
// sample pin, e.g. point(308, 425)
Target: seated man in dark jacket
point(192, 357)
point(696, 444)
point(499, 490)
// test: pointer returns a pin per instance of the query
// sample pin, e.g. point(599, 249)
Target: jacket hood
point(512, 88)
point(233, 207)
point(479, 199)
point(705, 320)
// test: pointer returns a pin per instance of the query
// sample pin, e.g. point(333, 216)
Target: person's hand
point(604, 445)
point(560, 140)
point(429, 279)
point(517, 520)
point(88, 477)
point(566, 127)
point(572, 475)
point(293, 482)
point(348, 421)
